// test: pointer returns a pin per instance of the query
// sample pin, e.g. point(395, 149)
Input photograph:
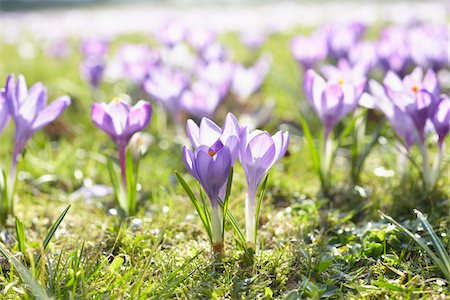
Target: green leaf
point(227, 197)
point(116, 264)
point(436, 243)
point(50, 233)
point(258, 205)
point(439, 263)
point(131, 185)
point(20, 233)
point(114, 181)
point(312, 147)
point(201, 212)
point(37, 290)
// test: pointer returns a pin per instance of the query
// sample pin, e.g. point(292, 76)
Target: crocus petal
point(138, 118)
point(119, 111)
point(188, 158)
point(21, 89)
point(51, 112)
point(4, 112)
point(193, 133)
point(36, 101)
point(209, 132)
point(102, 119)
point(10, 94)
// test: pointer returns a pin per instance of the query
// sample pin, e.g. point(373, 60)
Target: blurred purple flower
point(29, 110)
point(94, 49)
point(401, 122)
point(137, 60)
point(92, 70)
point(247, 81)
point(258, 153)
point(59, 49)
point(218, 73)
point(441, 118)
point(343, 37)
point(332, 100)
point(429, 45)
point(214, 52)
point(166, 87)
point(121, 121)
point(210, 166)
point(253, 39)
point(393, 50)
point(200, 37)
point(416, 95)
point(364, 56)
point(171, 34)
point(4, 113)
point(309, 50)
point(201, 99)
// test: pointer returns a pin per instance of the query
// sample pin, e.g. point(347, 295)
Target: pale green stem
point(325, 162)
point(250, 218)
point(427, 180)
point(216, 227)
point(436, 165)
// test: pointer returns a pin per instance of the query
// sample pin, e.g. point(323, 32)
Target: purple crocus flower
point(258, 153)
point(415, 94)
point(441, 118)
point(200, 37)
point(4, 112)
point(401, 122)
point(121, 121)
point(332, 100)
point(166, 86)
point(201, 100)
point(171, 34)
point(208, 133)
point(429, 45)
point(393, 50)
point(136, 61)
point(30, 111)
point(364, 55)
point(92, 70)
point(211, 167)
point(342, 37)
point(253, 39)
point(214, 52)
point(309, 50)
point(94, 49)
point(247, 81)
point(218, 74)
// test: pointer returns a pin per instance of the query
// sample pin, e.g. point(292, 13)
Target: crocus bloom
point(214, 52)
point(201, 100)
point(121, 121)
point(253, 39)
point(200, 37)
point(29, 110)
point(341, 38)
point(94, 49)
point(415, 94)
point(247, 81)
point(309, 50)
point(211, 167)
point(258, 153)
point(4, 113)
point(218, 74)
point(137, 60)
point(393, 50)
point(171, 34)
point(332, 100)
point(364, 55)
point(92, 70)
point(166, 87)
point(208, 133)
point(441, 118)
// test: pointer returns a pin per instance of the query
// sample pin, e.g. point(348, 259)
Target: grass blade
point(20, 233)
point(201, 212)
point(131, 184)
point(258, 205)
point(436, 241)
point(421, 243)
point(50, 233)
point(309, 139)
point(225, 201)
point(25, 274)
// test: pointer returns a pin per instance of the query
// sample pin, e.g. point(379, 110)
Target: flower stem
point(123, 166)
point(217, 241)
point(250, 219)
point(325, 162)
point(427, 180)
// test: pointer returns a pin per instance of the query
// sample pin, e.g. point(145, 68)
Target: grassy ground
point(312, 247)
